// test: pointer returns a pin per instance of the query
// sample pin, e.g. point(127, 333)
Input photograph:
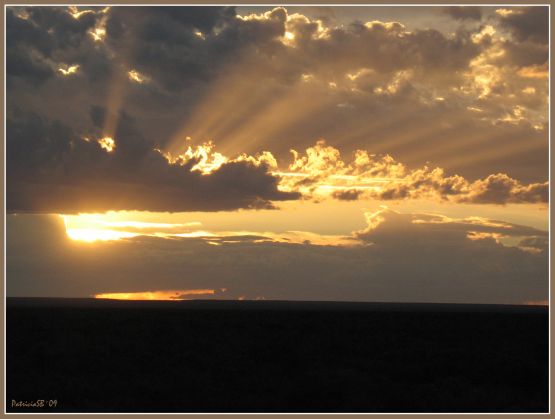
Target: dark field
point(209, 356)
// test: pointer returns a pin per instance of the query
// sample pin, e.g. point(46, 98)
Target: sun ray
point(494, 152)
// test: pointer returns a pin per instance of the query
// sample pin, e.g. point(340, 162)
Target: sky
point(342, 153)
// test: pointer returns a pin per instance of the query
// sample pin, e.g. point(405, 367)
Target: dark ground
point(210, 356)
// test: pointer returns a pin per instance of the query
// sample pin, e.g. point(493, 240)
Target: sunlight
point(76, 14)
point(89, 228)
point(208, 159)
point(91, 234)
point(137, 77)
point(289, 36)
point(107, 143)
point(98, 34)
point(69, 70)
point(102, 227)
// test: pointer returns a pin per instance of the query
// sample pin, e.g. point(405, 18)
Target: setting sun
point(346, 192)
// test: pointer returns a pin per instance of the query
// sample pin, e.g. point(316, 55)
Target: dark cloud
point(500, 188)
point(538, 243)
point(526, 53)
point(347, 195)
point(38, 39)
point(51, 169)
point(162, 41)
point(20, 61)
point(494, 189)
point(64, 31)
point(463, 12)
point(528, 23)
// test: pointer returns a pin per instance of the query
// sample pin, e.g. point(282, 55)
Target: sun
point(85, 228)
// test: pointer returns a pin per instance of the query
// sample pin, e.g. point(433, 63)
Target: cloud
point(473, 102)
point(500, 188)
point(51, 169)
point(436, 227)
point(347, 195)
point(526, 23)
point(463, 12)
point(370, 176)
point(398, 257)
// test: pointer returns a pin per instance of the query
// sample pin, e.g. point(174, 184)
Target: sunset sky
point(356, 153)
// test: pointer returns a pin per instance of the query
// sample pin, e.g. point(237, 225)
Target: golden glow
point(108, 227)
point(480, 235)
point(507, 12)
point(143, 225)
point(165, 295)
point(474, 109)
point(102, 227)
point(300, 221)
point(193, 234)
point(86, 228)
point(321, 172)
point(107, 143)
point(208, 159)
point(76, 14)
point(487, 31)
point(69, 70)
point(534, 72)
point(92, 235)
point(137, 77)
point(98, 34)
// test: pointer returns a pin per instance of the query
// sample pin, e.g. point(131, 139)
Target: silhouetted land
point(217, 356)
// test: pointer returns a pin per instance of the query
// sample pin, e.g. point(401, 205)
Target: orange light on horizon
point(165, 295)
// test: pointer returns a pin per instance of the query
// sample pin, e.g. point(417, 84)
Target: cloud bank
point(398, 257)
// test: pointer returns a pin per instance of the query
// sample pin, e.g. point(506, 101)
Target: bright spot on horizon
point(98, 227)
point(90, 235)
point(165, 295)
point(88, 232)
